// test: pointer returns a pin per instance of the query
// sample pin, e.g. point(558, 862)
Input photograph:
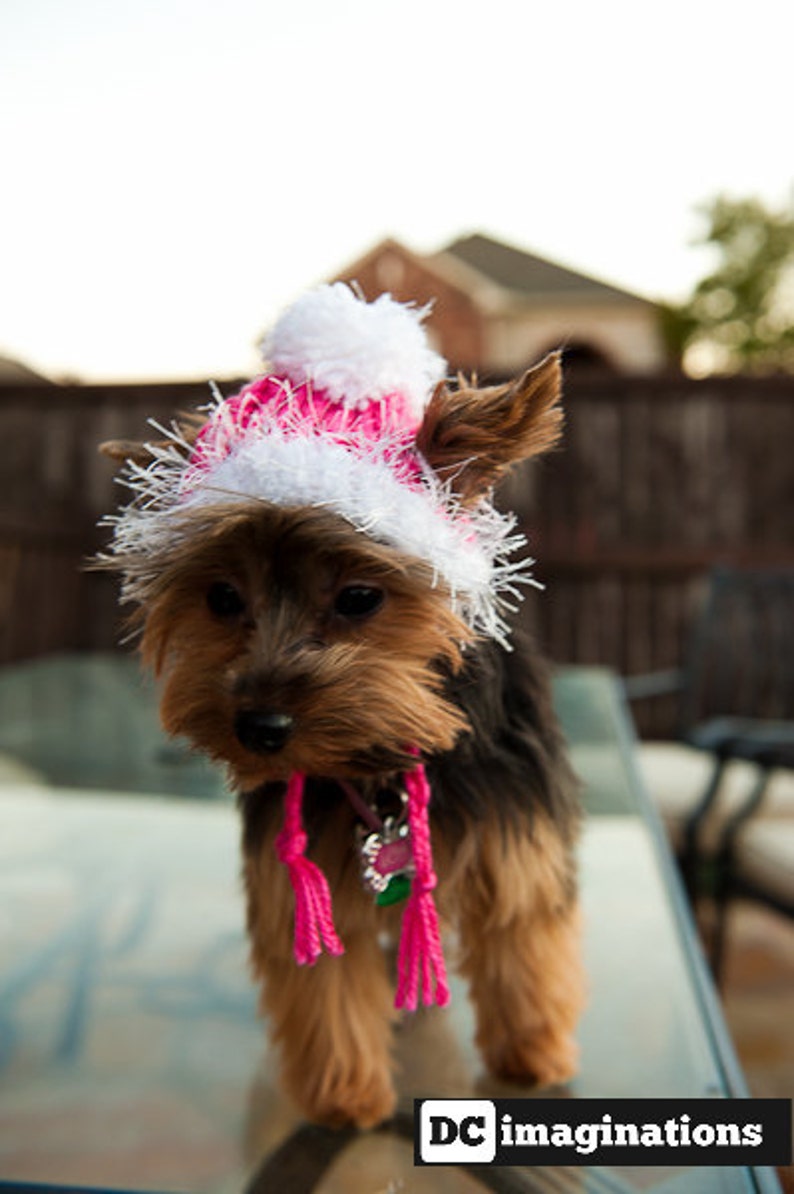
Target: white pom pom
point(355, 351)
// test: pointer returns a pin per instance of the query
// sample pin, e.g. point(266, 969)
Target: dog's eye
point(224, 601)
point(358, 601)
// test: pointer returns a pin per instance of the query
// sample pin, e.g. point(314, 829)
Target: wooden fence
point(659, 479)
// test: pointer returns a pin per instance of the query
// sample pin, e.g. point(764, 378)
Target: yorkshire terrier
point(322, 583)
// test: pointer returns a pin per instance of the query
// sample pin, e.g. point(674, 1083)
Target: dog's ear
point(471, 436)
point(123, 450)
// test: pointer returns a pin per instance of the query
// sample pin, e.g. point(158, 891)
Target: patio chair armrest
point(769, 744)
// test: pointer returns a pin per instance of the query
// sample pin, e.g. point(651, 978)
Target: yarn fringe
point(420, 961)
point(420, 964)
point(314, 922)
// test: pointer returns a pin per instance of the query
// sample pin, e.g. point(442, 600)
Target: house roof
point(446, 269)
point(529, 276)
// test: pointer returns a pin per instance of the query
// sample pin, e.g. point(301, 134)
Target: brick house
point(496, 308)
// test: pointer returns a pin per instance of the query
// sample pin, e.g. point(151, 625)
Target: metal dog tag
point(386, 859)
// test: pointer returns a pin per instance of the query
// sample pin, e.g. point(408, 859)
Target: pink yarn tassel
point(420, 956)
point(314, 922)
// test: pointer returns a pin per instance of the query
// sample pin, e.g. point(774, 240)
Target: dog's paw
point(542, 1059)
point(343, 1102)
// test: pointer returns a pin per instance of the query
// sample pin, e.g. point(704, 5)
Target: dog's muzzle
point(263, 733)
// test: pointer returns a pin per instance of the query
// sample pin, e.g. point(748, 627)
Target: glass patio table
point(131, 1056)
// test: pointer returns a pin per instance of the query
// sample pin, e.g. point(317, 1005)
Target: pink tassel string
point(420, 955)
point(314, 923)
point(420, 963)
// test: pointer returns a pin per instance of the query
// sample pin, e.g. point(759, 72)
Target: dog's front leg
point(521, 952)
point(332, 1021)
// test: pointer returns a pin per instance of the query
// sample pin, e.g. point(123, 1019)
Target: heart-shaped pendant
point(386, 859)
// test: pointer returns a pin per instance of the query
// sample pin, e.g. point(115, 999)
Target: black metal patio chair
point(736, 702)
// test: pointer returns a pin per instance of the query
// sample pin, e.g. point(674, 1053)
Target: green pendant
point(398, 888)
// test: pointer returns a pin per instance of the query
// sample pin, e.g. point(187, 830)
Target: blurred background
point(610, 179)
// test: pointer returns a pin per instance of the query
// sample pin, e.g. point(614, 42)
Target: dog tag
point(387, 862)
point(397, 890)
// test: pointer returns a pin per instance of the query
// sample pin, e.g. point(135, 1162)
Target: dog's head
point(295, 632)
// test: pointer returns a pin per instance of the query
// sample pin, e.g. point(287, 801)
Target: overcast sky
point(174, 171)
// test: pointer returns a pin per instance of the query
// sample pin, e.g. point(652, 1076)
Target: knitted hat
point(333, 425)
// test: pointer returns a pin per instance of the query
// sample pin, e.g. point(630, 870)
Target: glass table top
point(131, 1056)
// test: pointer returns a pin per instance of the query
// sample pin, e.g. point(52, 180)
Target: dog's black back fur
point(514, 759)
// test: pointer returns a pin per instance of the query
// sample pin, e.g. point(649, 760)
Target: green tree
point(740, 318)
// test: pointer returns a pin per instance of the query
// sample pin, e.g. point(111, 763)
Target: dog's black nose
point(263, 733)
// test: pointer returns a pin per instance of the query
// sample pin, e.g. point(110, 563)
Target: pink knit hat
point(333, 424)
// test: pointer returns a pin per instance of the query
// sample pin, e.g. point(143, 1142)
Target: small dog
point(321, 579)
